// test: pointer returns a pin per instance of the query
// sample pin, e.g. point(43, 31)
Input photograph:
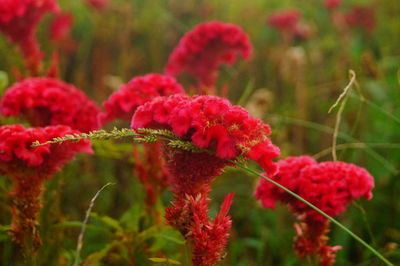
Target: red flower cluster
point(332, 4)
point(330, 186)
point(209, 122)
point(97, 4)
point(285, 20)
point(189, 215)
point(60, 27)
point(18, 21)
point(201, 51)
point(28, 167)
point(48, 101)
point(289, 25)
point(123, 103)
point(363, 17)
point(311, 239)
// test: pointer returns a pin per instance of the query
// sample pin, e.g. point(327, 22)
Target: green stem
point(344, 228)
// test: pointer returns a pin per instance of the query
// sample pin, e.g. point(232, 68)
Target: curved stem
point(344, 228)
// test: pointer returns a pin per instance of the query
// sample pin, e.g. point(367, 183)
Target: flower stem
point(341, 226)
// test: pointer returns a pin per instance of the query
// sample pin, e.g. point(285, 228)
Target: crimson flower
point(28, 167)
point(60, 27)
point(330, 186)
point(123, 103)
point(18, 21)
point(48, 101)
point(285, 20)
point(208, 122)
point(201, 51)
point(361, 16)
point(97, 4)
point(332, 4)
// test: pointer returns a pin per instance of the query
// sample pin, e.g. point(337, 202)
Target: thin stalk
point(337, 125)
point(334, 221)
point(79, 245)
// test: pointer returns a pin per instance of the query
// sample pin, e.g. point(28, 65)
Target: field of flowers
point(194, 132)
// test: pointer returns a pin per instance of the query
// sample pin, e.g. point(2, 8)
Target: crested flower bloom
point(361, 16)
point(288, 23)
point(208, 122)
point(139, 90)
point(285, 20)
point(48, 101)
point(201, 51)
point(330, 186)
point(332, 4)
point(97, 4)
point(28, 167)
point(18, 20)
point(60, 27)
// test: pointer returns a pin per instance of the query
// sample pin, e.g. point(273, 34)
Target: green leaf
point(165, 260)
point(96, 257)
point(5, 227)
point(108, 221)
point(3, 81)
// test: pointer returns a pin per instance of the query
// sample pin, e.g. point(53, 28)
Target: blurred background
point(290, 81)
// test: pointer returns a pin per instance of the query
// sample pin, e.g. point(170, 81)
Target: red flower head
point(48, 101)
point(363, 17)
point(330, 186)
point(208, 122)
point(332, 4)
point(28, 167)
point(97, 4)
point(201, 51)
point(285, 20)
point(60, 27)
point(289, 170)
point(123, 103)
point(18, 20)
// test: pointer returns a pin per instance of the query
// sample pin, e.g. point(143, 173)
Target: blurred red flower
point(48, 101)
point(18, 20)
point(202, 50)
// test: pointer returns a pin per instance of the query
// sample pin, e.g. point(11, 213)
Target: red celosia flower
point(289, 171)
point(289, 25)
point(189, 215)
point(330, 186)
point(201, 51)
point(209, 122)
point(311, 239)
point(97, 4)
point(210, 237)
point(48, 101)
point(285, 20)
point(28, 167)
point(332, 4)
point(123, 103)
point(363, 17)
point(18, 20)
point(60, 27)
